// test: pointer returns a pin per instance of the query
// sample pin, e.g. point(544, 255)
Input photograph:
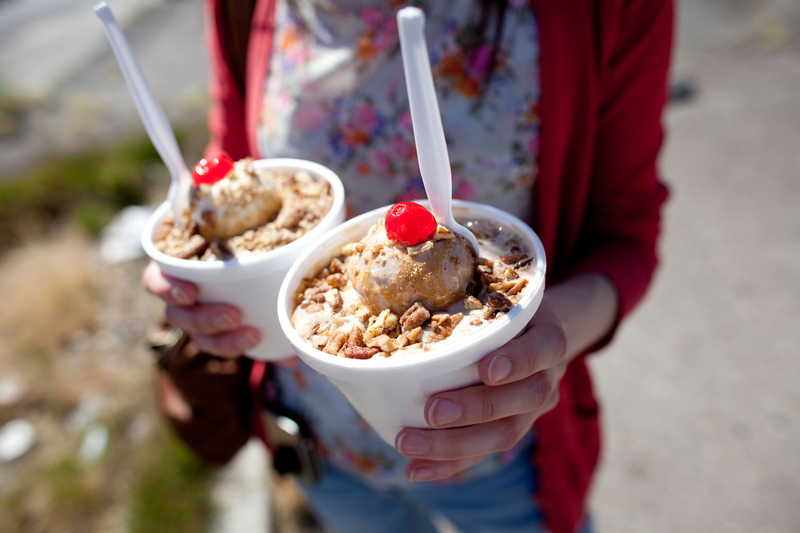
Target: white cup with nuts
point(388, 362)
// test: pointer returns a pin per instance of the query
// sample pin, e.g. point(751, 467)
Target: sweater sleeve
point(622, 224)
point(226, 117)
point(218, 393)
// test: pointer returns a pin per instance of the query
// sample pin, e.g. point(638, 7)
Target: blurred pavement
point(701, 389)
point(61, 89)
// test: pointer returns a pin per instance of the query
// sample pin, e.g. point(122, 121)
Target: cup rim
point(321, 171)
point(437, 360)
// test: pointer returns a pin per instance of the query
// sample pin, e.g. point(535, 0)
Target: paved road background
point(56, 63)
point(701, 389)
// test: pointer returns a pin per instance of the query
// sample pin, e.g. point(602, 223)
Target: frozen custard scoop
point(229, 198)
point(407, 258)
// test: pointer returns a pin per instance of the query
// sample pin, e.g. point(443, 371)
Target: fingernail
point(413, 443)
point(245, 341)
point(223, 321)
point(443, 411)
point(422, 473)
point(499, 368)
point(179, 296)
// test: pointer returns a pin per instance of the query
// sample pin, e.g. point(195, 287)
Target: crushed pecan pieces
point(443, 325)
point(471, 303)
point(414, 317)
point(353, 331)
point(357, 352)
point(384, 323)
point(335, 343)
point(499, 301)
point(306, 201)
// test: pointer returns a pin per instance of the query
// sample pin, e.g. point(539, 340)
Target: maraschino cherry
point(212, 170)
point(410, 223)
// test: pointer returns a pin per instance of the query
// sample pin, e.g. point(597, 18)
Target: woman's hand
point(520, 382)
point(216, 329)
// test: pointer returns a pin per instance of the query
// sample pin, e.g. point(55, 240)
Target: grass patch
point(52, 286)
point(171, 493)
point(50, 290)
point(73, 488)
point(61, 496)
point(87, 188)
point(63, 188)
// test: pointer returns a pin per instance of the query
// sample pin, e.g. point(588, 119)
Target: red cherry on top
point(212, 170)
point(409, 223)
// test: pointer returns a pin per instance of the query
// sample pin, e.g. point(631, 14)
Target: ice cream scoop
point(389, 274)
point(241, 199)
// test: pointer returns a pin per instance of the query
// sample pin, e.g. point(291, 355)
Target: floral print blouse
point(336, 94)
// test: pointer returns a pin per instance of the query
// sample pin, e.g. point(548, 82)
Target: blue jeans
point(500, 502)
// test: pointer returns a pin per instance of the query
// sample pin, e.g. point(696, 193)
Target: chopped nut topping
point(306, 201)
point(337, 280)
point(518, 286)
point(334, 298)
point(501, 286)
point(161, 232)
point(513, 258)
point(356, 337)
point(413, 335)
point(484, 269)
point(196, 245)
point(383, 323)
point(353, 330)
point(486, 273)
point(317, 295)
point(419, 248)
point(357, 352)
point(337, 267)
point(488, 279)
point(362, 313)
point(384, 342)
point(500, 301)
point(353, 248)
point(314, 308)
point(471, 303)
point(443, 325)
point(319, 340)
point(415, 316)
point(443, 233)
point(335, 343)
point(437, 319)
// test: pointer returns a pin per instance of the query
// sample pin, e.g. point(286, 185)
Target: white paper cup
point(252, 283)
point(390, 394)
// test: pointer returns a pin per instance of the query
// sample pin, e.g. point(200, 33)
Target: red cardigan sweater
point(597, 198)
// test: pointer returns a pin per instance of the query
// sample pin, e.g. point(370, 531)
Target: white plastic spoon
point(155, 122)
point(434, 163)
